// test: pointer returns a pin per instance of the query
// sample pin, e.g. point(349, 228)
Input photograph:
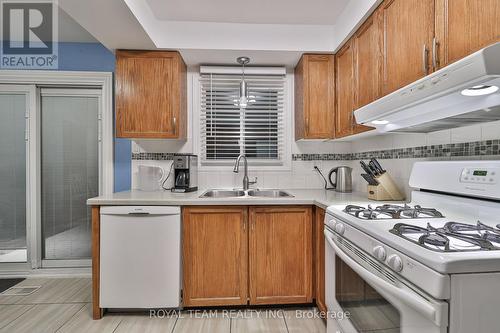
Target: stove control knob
point(339, 228)
point(379, 253)
point(395, 262)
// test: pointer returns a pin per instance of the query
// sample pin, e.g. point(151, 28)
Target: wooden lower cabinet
point(215, 257)
point(280, 248)
point(247, 255)
point(319, 258)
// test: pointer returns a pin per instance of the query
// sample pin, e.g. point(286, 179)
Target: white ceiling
point(278, 32)
point(314, 12)
point(110, 22)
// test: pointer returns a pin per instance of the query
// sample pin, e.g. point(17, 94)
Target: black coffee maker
point(185, 173)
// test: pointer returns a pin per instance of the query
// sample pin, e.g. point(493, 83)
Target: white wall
point(352, 17)
point(299, 174)
point(400, 168)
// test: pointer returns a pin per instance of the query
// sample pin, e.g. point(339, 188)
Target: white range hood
point(438, 101)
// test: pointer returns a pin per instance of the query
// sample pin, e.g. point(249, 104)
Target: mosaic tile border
point(477, 148)
point(154, 156)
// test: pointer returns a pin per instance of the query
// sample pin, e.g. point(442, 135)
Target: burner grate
point(452, 237)
point(392, 211)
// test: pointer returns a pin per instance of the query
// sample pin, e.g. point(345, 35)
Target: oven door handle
point(413, 300)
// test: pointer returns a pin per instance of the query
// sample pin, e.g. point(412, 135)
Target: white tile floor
point(20, 255)
point(63, 305)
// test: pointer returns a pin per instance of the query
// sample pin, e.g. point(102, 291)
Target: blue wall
point(95, 57)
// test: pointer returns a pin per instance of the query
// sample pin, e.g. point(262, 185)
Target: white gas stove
point(434, 263)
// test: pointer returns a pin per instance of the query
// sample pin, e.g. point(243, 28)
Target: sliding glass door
point(70, 156)
point(50, 164)
point(13, 174)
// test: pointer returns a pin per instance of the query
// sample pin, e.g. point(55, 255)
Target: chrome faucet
point(246, 181)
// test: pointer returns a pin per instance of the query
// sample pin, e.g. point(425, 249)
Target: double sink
point(254, 193)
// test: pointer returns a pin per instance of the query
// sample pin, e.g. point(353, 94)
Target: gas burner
point(420, 212)
point(392, 211)
point(452, 237)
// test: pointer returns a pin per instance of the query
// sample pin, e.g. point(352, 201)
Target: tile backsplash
point(301, 175)
point(397, 152)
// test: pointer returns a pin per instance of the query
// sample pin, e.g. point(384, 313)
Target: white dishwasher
point(140, 252)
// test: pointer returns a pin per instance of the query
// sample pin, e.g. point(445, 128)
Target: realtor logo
point(29, 34)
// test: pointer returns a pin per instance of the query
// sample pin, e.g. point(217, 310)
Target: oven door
point(362, 295)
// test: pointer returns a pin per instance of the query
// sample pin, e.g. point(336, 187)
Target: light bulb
point(479, 90)
point(380, 122)
point(243, 102)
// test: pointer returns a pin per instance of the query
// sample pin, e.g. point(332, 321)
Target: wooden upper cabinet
point(280, 247)
point(408, 30)
point(150, 95)
point(344, 85)
point(465, 26)
point(367, 44)
point(314, 97)
point(215, 257)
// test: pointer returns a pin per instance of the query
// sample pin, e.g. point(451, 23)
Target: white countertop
point(318, 197)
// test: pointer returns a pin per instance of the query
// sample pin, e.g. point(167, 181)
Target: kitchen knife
point(369, 179)
point(378, 166)
point(366, 168)
point(373, 168)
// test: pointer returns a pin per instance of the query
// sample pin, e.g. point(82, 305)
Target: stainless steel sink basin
point(246, 194)
point(269, 194)
point(223, 194)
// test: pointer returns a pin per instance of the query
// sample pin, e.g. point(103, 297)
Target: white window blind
point(256, 131)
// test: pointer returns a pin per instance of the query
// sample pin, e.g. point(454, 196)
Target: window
point(256, 131)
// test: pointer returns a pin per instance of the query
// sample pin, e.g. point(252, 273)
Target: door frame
point(31, 81)
point(29, 92)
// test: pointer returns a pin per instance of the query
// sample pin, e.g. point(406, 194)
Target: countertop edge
point(317, 197)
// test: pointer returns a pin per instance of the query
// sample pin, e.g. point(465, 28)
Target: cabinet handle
point(244, 225)
point(175, 124)
point(425, 52)
point(435, 56)
point(307, 125)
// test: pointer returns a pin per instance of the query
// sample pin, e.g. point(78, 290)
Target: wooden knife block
point(386, 190)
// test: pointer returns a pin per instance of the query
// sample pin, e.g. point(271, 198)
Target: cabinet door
point(319, 258)
point(465, 26)
point(319, 111)
point(408, 30)
point(149, 94)
point(345, 91)
point(280, 255)
point(367, 66)
point(215, 257)
point(314, 96)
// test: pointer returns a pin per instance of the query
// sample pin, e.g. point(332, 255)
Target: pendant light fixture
point(243, 98)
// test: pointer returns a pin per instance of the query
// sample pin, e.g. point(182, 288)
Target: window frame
point(261, 165)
